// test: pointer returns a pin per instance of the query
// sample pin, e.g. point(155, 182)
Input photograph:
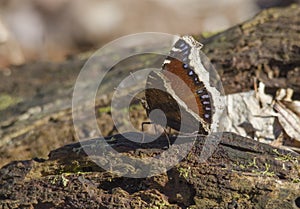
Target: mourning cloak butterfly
point(185, 91)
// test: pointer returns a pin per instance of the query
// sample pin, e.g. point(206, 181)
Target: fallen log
point(241, 173)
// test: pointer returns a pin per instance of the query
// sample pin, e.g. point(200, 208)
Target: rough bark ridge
point(266, 47)
point(242, 173)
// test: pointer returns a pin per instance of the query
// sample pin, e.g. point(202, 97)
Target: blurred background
point(52, 29)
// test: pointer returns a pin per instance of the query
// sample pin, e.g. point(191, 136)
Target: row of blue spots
point(191, 73)
point(182, 45)
point(205, 99)
point(205, 102)
point(207, 115)
point(205, 96)
point(200, 91)
point(185, 48)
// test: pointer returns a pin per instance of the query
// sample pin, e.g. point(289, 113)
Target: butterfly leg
point(167, 136)
point(145, 123)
